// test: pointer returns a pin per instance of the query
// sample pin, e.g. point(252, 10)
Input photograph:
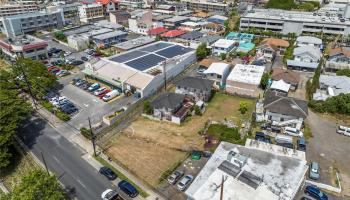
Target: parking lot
point(189, 166)
point(90, 105)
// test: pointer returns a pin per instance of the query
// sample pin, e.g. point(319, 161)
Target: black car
point(265, 126)
point(84, 58)
point(262, 137)
point(301, 144)
point(76, 62)
point(108, 173)
point(129, 189)
point(276, 129)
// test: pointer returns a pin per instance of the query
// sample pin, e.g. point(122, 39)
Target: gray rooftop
point(137, 42)
point(339, 84)
point(168, 101)
point(309, 39)
point(32, 14)
point(195, 83)
point(110, 35)
point(313, 51)
point(191, 35)
point(176, 19)
point(107, 24)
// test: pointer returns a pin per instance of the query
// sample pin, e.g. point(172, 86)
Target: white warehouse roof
point(223, 43)
point(269, 172)
point(250, 74)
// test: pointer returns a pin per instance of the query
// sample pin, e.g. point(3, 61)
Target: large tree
point(13, 110)
point(37, 75)
point(37, 185)
point(202, 51)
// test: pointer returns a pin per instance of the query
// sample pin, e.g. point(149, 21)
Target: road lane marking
point(56, 159)
point(81, 183)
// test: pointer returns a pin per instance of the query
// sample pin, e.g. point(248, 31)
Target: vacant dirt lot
point(148, 148)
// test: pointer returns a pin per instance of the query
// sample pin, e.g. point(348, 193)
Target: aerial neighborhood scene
point(175, 99)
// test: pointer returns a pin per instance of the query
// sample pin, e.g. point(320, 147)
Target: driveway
point(330, 150)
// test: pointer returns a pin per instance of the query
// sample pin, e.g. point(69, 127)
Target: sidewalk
point(73, 135)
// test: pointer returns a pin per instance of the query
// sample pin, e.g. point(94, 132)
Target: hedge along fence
point(313, 84)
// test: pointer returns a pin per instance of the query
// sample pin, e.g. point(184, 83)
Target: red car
point(103, 93)
point(52, 68)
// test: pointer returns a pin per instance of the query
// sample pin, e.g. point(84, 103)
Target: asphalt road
point(64, 159)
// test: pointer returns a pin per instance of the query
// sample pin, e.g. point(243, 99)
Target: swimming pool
point(245, 46)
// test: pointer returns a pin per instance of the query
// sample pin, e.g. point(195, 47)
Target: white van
point(110, 95)
point(293, 132)
point(343, 130)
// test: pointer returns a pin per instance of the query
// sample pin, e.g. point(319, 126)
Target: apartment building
point(91, 12)
point(18, 8)
point(207, 5)
point(70, 11)
point(140, 21)
point(30, 22)
point(26, 46)
point(328, 21)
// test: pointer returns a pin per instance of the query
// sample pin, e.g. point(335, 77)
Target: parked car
point(110, 95)
point(129, 189)
point(343, 130)
point(185, 182)
point(262, 137)
point(301, 144)
point(315, 192)
point(55, 71)
point(284, 141)
point(103, 93)
point(305, 198)
point(85, 86)
point(293, 132)
point(63, 73)
point(76, 62)
point(80, 82)
point(83, 58)
point(175, 176)
point(107, 172)
point(99, 91)
point(94, 87)
point(275, 129)
point(265, 126)
point(67, 53)
point(110, 194)
point(196, 155)
point(314, 171)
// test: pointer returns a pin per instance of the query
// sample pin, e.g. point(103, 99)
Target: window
point(218, 76)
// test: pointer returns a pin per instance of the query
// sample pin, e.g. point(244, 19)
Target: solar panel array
point(151, 55)
point(145, 62)
point(229, 168)
point(173, 51)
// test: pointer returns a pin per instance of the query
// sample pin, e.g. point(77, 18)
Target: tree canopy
point(202, 51)
point(337, 104)
point(37, 185)
point(343, 72)
point(264, 80)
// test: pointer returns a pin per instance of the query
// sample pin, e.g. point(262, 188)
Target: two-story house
point(199, 89)
point(218, 72)
point(309, 41)
point(213, 29)
point(305, 58)
point(171, 107)
point(222, 46)
point(140, 21)
point(270, 47)
point(339, 58)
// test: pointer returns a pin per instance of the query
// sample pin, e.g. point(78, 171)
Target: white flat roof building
point(331, 20)
point(265, 172)
point(217, 68)
point(223, 43)
point(250, 74)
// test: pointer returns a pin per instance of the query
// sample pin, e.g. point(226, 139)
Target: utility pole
point(222, 188)
point(92, 137)
point(44, 161)
point(164, 71)
point(29, 86)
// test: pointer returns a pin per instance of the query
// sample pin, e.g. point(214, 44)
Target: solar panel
point(145, 62)
point(173, 51)
point(250, 179)
point(229, 168)
point(128, 56)
point(156, 47)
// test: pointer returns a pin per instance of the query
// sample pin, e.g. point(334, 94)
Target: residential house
point(140, 21)
point(280, 86)
point(244, 80)
point(190, 26)
point(309, 41)
point(242, 40)
point(157, 31)
point(331, 86)
point(198, 88)
point(305, 58)
point(173, 34)
point(213, 29)
point(339, 58)
point(171, 107)
point(191, 38)
point(280, 108)
point(218, 72)
point(222, 46)
point(175, 21)
point(271, 47)
point(288, 76)
point(217, 19)
point(119, 17)
point(108, 6)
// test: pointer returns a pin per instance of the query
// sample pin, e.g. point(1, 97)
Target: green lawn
point(223, 133)
point(121, 176)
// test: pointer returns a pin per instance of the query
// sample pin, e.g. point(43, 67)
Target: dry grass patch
point(149, 148)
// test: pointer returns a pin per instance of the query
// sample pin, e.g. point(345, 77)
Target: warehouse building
point(244, 80)
point(141, 70)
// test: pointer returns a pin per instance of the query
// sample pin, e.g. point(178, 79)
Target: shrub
point(224, 133)
point(47, 105)
point(202, 51)
point(343, 72)
point(264, 80)
point(147, 108)
point(197, 110)
point(223, 56)
point(62, 116)
point(243, 107)
point(337, 104)
point(86, 133)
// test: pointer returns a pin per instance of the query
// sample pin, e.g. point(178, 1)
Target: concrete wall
point(277, 117)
